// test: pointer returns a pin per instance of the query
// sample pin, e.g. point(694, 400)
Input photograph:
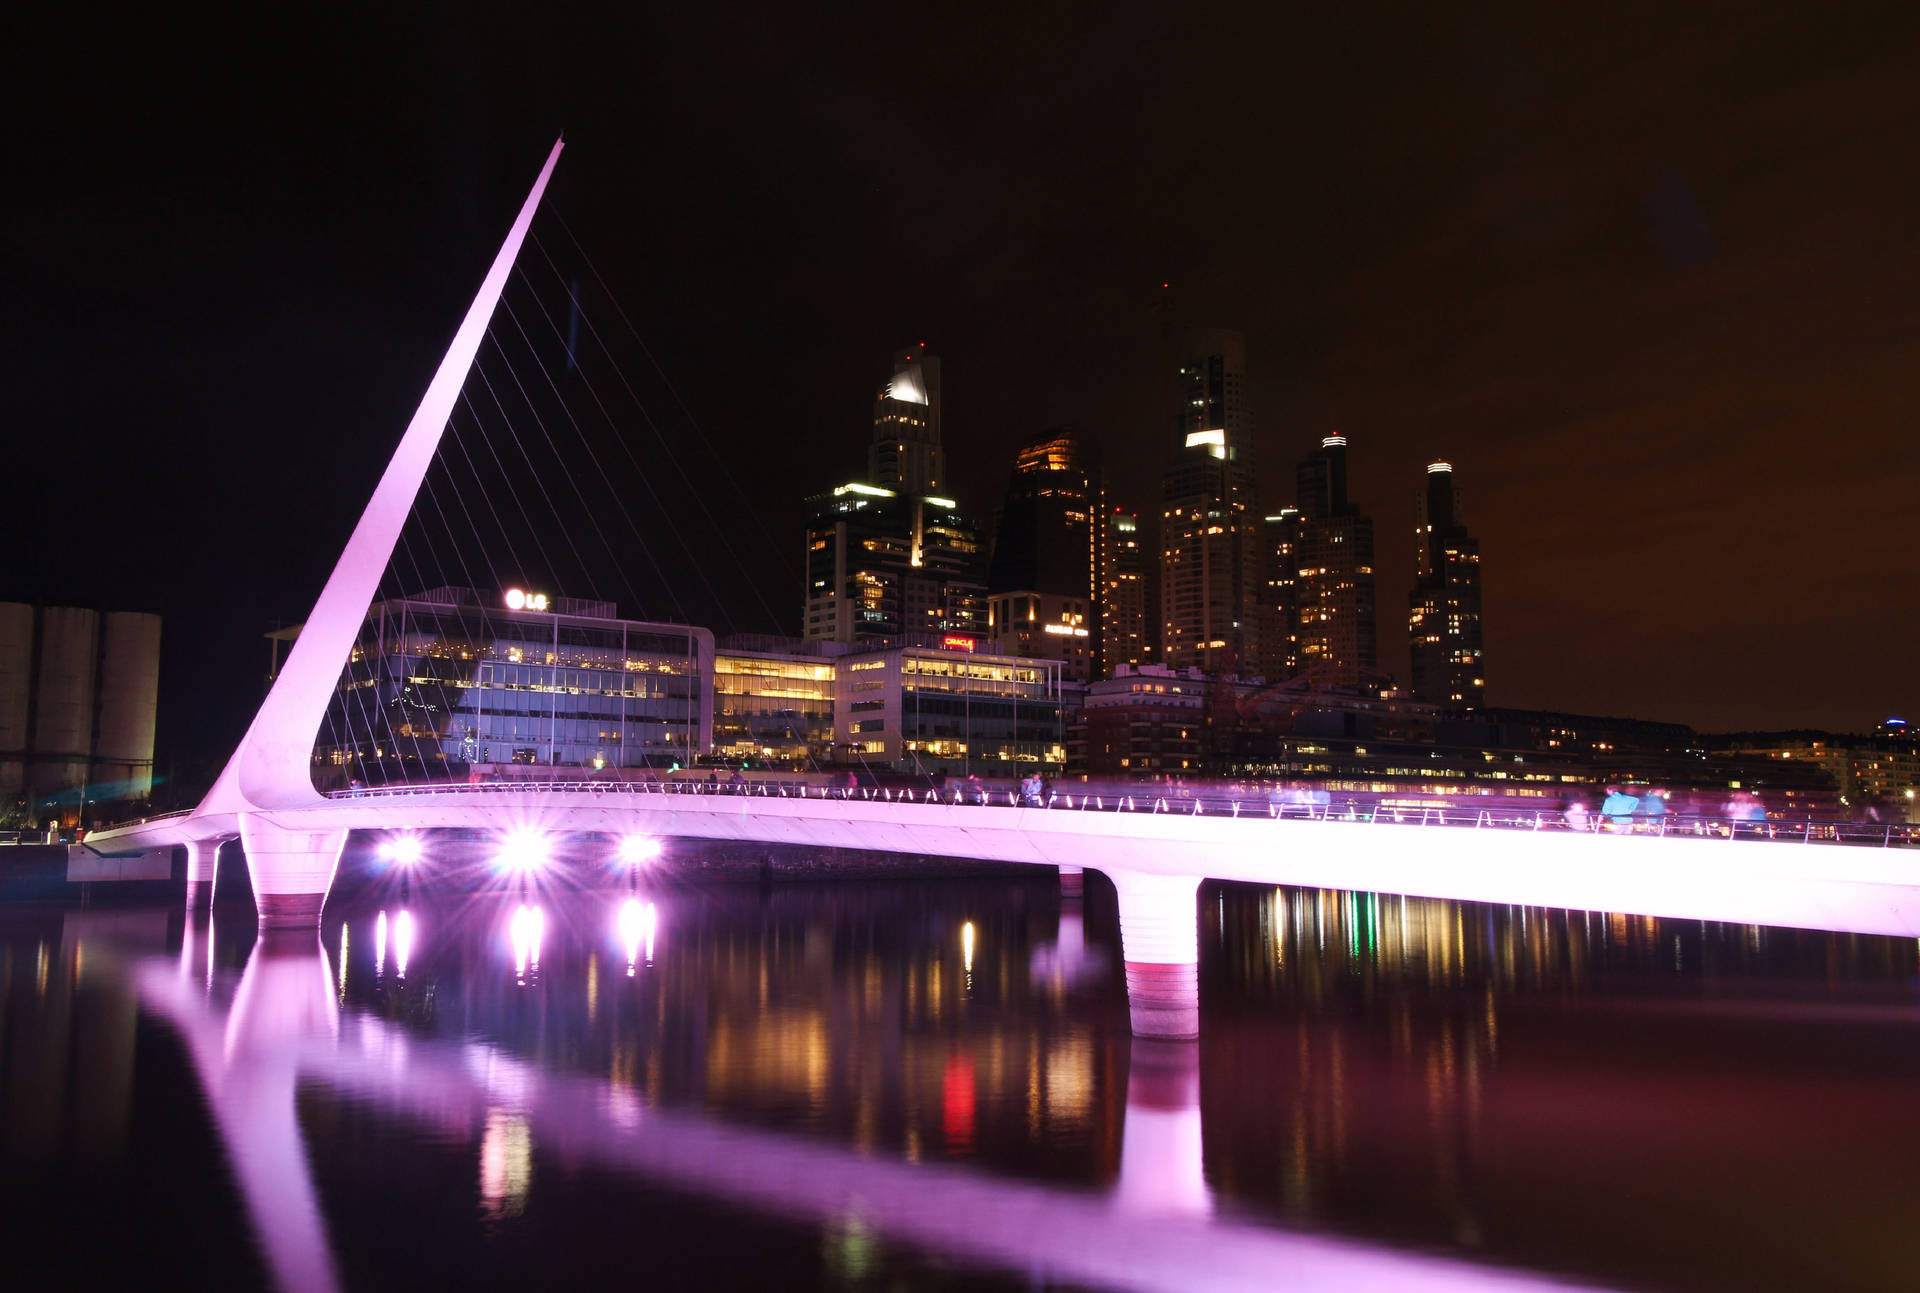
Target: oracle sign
point(954, 642)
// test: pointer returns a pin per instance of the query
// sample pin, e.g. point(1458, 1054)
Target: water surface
point(848, 1085)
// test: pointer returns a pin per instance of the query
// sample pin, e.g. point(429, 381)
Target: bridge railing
point(1184, 802)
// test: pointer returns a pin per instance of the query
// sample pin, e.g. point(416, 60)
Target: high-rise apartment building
point(1333, 595)
point(1443, 611)
point(1123, 595)
point(1049, 551)
point(906, 454)
point(1212, 570)
point(1280, 640)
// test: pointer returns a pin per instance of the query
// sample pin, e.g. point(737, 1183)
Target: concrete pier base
point(291, 871)
point(1072, 882)
point(1160, 941)
point(203, 864)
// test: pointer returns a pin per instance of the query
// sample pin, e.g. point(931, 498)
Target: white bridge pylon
point(271, 769)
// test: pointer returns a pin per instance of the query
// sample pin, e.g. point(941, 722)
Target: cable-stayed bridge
point(293, 835)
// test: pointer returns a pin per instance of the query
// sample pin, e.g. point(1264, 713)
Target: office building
point(1334, 594)
point(450, 679)
point(949, 709)
point(890, 555)
point(1045, 626)
point(1048, 555)
point(773, 701)
point(906, 454)
point(1212, 568)
point(1443, 611)
point(880, 564)
point(79, 691)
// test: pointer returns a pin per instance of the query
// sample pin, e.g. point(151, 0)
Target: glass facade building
point(772, 706)
point(442, 683)
point(934, 710)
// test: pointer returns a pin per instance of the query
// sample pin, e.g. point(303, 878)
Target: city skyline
point(1632, 356)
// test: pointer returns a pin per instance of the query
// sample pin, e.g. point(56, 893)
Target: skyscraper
point(1280, 638)
point(1334, 594)
point(906, 454)
point(1212, 572)
point(1443, 611)
point(888, 555)
point(1049, 551)
point(1123, 596)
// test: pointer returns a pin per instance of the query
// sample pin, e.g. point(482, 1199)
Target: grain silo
point(129, 696)
point(16, 680)
point(63, 699)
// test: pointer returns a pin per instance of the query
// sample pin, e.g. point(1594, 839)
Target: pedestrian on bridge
point(1618, 808)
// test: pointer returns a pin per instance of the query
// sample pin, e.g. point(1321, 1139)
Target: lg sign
point(521, 600)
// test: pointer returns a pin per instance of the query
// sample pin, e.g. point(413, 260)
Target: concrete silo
point(129, 694)
point(63, 700)
point(16, 681)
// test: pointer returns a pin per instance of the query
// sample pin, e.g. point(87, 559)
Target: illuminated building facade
point(1123, 594)
point(1212, 570)
point(773, 701)
point(1334, 594)
point(450, 680)
point(880, 563)
point(1880, 772)
point(906, 454)
point(1280, 645)
point(950, 709)
point(1148, 721)
point(889, 555)
point(1045, 626)
point(1048, 554)
point(1443, 611)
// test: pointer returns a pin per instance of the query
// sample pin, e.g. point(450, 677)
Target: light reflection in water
point(402, 942)
point(637, 923)
point(380, 945)
point(506, 1164)
point(1155, 1230)
point(524, 930)
point(1396, 1084)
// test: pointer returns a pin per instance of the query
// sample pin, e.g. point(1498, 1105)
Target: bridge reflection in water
point(948, 1068)
point(763, 1031)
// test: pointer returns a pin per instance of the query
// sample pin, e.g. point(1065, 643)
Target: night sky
point(1649, 278)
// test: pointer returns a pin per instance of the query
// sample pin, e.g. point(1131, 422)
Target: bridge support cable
point(588, 510)
point(533, 469)
point(779, 553)
point(1160, 943)
point(692, 558)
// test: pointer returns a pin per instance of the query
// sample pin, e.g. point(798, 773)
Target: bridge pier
point(1160, 941)
point(203, 864)
point(1072, 881)
point(291, 871)
point(1161, 1165)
